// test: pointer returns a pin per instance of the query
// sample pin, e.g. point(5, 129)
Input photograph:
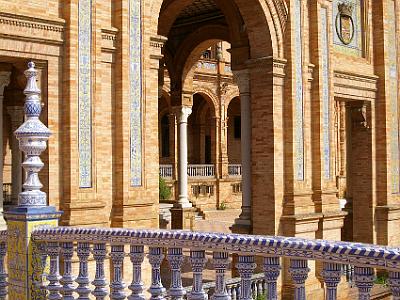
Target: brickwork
point(47, 32)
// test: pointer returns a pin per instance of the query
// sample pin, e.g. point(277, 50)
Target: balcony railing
point(201, 171)
point(62, 242)
point(166, 171)
point(235, 170)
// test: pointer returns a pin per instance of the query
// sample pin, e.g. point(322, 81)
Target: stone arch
point(229, 96)
point(257, 15)
point(209, 96)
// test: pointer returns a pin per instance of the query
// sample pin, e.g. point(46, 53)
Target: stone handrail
point(201, 171)
point(166, 171)
point(62, 240)
point(235, 170)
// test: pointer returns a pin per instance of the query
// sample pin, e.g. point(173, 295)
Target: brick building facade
point(317, 82)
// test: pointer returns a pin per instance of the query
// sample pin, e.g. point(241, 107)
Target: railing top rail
point(338, 252)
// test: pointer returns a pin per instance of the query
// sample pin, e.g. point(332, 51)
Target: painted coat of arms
point(345, 23)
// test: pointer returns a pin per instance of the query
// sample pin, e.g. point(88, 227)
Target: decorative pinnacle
point(32, 136)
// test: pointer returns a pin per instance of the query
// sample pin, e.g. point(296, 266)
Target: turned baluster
point(67, 280)
point(245, 266)
point(234, 292)
point(299, 271)
point(260, 290)
point(198, 261)
point(394, 283)
point(3, 274)
point(117, 286)
point(229, 291)
point(220, 263)
point(100, 283)
point(155, 259)
point(272, 270)
point(175, 259)
point(137, 256)
point(364, 280)
point(54, 286)
point(83, 290)
point(331, 274)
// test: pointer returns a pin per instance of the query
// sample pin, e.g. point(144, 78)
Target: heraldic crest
point(345, 23)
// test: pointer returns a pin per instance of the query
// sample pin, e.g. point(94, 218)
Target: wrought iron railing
point(64, 241)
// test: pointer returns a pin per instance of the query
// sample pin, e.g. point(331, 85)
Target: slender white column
point(4, 81)
point(243, 81)
point(182, 115)
point(17, 118)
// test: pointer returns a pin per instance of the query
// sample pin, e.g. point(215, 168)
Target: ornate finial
point(346, 8)
point(32, 136)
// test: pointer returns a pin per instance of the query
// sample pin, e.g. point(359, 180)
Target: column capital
point(4, 80)
point(182, 113)
point(242, 78)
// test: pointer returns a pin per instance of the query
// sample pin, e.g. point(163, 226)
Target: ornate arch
point(208, 96)
point(272, 13)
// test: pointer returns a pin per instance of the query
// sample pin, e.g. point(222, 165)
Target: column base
point(182, 218)
point(183, 202)
point(242, 226)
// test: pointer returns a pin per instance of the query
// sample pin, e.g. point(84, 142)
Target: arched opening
point(201, 132)
point(234, 132)
point(254, 30)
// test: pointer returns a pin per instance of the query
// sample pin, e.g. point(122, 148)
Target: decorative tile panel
point(326, 153)
point(85, 93)
point(354, 47)
point(299, 110)
point(135, 74)
point(393, 113)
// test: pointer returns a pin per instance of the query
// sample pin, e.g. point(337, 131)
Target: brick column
point(242, 78)
point(17, 117)
point(4, 81)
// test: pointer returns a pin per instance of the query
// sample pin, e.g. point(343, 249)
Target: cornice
point(27, 28)
point(109, 37)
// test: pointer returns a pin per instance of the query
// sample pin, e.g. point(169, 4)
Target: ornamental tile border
point(393, 100)
point(135, 73)
point(85, 93)
point(325, 94)
point(339, 252)
point(299, 110)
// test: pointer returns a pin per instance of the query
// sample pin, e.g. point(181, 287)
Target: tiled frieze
point(347, 26)
point(135, 73)
point(299, 109)
point(326, 153)
point(85, 93)
point(393, 99)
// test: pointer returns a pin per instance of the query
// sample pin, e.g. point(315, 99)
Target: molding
point(355, 86)
point(21, 27)
point(109, 38)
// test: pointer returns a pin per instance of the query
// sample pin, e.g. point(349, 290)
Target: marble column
point(182, 115)
point(4, 81)
point(243, 81)
point(17, 117)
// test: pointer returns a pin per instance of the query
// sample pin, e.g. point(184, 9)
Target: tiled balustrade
point(57, 242)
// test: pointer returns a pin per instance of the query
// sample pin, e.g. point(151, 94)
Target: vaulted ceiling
point(199, 11)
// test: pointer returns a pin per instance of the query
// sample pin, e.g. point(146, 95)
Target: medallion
point(345, 23)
